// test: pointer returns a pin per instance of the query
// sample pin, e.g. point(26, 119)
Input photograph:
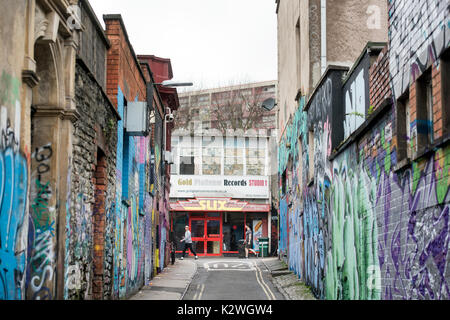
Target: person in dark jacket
point(248, 242)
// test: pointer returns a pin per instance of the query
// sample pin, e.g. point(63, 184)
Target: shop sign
point(218, 205)
point(238, 187)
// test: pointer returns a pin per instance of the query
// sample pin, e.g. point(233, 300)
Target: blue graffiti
point(13, 196)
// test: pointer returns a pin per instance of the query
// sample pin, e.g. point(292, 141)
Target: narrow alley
point(148, 147)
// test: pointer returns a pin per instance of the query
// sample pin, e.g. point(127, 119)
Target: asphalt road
point(232, 279)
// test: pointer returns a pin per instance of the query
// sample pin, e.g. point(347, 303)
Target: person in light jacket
point(188, 243)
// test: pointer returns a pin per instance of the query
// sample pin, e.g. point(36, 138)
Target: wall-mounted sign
point(257, 233)
point(218, 205)
point(248, 187)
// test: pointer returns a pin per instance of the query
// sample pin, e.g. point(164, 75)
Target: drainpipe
point(323, 37)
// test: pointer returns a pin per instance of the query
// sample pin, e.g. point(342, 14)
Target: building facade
point(220, 176)
point(37, 112)
point(79, 152)
point(363, 167)
point(160, 70)
point(315, 34)
point(92, 180)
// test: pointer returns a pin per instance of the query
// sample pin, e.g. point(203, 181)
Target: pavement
point(286, 281)
point(171, 284)
point(174, 281)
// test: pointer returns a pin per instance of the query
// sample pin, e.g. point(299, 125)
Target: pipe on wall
point(323, 26)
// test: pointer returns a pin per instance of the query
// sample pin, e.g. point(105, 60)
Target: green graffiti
point(442, 170)
point(289, 143)
point(9, 89)
point(417, 172)
point(353, 257)
point(378, 171)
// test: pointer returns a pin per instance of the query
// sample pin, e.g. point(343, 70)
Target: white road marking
point(227, 266)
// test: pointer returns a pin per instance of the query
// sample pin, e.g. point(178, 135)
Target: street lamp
point(170, 84)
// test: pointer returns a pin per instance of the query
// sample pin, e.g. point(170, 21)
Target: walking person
point(188, 243)
point(248, 242)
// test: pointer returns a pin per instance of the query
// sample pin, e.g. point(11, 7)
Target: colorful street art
point(133, 207)
point(14, 179)
point(42, 231)
point(352, 261)
point(362, 228)
point(13, 220)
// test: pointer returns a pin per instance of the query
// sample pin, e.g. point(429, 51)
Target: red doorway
point(206, 230)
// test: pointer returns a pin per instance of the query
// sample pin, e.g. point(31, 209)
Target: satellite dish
point(269, 104)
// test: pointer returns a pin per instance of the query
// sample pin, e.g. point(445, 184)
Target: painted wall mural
point(362, 228)
point(133, 205)
point(352, 260)
point(419, 32)
point(13, 197)
point(42, 233)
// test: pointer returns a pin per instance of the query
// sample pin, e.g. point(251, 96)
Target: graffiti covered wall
point(133, 211)
point(13, 193)
point(305, 205)
point(90, 210)
point(360, 224)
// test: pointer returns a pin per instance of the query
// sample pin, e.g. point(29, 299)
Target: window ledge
point(368, 124)
point(429, 148)
point(402, 164)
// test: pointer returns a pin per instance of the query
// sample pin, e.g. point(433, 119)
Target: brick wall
point(97, 130)
point(100, 181)
point(379, 77)
point(377, 227)
point(126, 83)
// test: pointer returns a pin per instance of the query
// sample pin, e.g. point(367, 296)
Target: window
point(195, 112)
point(184, 101)
point(234, 156)
point(424, 121)
point(299, 52)
point(246, 92)
point(284, 182)
point(311, 156)
point(289, 172)
point(255, 156)
point(404, 128)
point(174, 165)
point(204, 98)
point(212, 155)
point(206, 125)
point(188, 153)
point(407, 123)
point(187, 165)
point(445, 92)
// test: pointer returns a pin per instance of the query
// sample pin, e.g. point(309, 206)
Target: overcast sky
point(210, 42)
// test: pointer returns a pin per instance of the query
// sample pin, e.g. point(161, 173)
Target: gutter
point(323, 27)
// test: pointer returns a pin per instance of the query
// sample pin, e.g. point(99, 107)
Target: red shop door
point(207, 235)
